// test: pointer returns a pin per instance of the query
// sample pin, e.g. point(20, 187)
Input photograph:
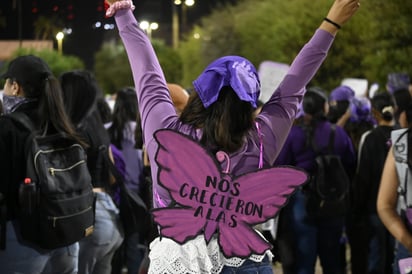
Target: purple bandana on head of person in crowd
point(361, 110)
point(234, 71)
point(341, 93)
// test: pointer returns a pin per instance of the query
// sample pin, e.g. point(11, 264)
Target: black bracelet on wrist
point(331, 22)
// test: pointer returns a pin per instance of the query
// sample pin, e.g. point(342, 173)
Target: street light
point(149, 27)
point(188, 3)
point(175, 18)
point(59, 38)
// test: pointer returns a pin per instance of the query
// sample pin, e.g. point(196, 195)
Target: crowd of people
point(363, 140)
point(223, 115)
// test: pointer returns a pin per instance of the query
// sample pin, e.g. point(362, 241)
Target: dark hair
point(313, 104)
point(336, 111)
point(51, 107)
point(408, 113)
point(384, 103)
point(80, 93)
point(224, 123)
point(104, 110)
point(402, 100)
point(125, 110)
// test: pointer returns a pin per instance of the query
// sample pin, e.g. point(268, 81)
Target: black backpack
point(56, 200)
point(328, 193)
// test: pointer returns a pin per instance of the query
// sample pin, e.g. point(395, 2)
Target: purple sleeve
point(279, 112)
point(155, 105)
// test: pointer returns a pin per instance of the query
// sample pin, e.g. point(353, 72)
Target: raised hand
point(117, 5)
point(110, 2)
point(342, 10)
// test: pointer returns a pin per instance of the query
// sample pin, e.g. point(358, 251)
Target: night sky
point(81, 16)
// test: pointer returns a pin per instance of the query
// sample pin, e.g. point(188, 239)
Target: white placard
point(359, 86)
point(270, 74)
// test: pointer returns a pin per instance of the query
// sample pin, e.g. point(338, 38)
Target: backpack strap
point(400, 151)
point(331, 144)
point(361, 142)
point(23, 119)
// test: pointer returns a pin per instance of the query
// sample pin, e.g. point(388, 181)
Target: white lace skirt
point(195, 256)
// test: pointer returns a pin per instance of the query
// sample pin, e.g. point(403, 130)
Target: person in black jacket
point(373, 149)
point(30, 88)
point(80, 92)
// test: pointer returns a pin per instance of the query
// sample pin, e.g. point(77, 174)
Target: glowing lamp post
point(149, 27)
point(59, 38)
point(175, 18)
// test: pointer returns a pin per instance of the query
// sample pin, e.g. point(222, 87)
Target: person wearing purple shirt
point(228, 89)
point(308, 236)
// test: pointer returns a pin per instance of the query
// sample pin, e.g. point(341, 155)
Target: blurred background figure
point(339, 101)
point(32, 89)
point(354, 114)
point(393, 204)
point(378, 244)
point(126, 135)
point(402, 99)
point(397, 81)
point(80, 91)
point(308, 235)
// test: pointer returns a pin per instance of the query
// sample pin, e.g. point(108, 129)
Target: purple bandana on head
point(342, 93)
point(361, 110)
point(234, 71)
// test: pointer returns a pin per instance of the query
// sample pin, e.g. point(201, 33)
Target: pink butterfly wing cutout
point(178, 224)
point(270, 189)
point(181, 160)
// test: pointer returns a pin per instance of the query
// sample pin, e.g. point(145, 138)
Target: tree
point(58, 63)
point(390, 49)
point(375, 42)
point(170, 61)
point(112, 68)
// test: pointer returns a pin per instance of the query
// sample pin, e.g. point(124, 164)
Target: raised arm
point(387, 203)
point(155, 105)
point(278, 113)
